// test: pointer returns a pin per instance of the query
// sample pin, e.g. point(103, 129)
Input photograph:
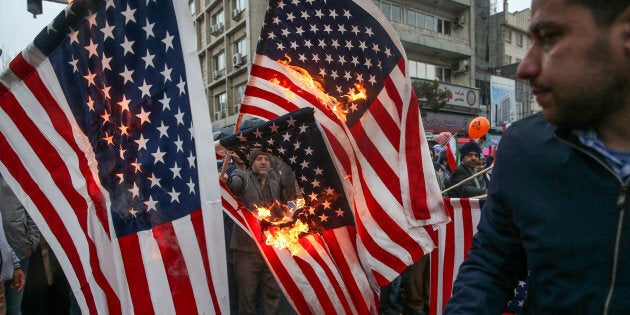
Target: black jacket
point(556, 214)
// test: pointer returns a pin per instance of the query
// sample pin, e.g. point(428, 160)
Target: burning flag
point(343, 59)
point(312, 251)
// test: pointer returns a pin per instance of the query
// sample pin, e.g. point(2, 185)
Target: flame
point(358, 93)
point(338, 108)
point(281, 231)
point(287, 237)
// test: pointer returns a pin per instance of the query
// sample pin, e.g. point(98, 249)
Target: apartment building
point(502, 43)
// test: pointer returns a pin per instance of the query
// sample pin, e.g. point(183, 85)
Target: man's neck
point(616, 134)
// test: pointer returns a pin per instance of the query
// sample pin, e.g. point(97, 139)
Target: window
point(392, 11)
point(239, 92)
point(219, 61)
point(220, 105)
point(240, 46)
point(508, 36)
point(238, 4)
point(429, 22)
point(191, 6)
point(218, 18)
point(519, 40)
point(421, 70)
point(508, 60)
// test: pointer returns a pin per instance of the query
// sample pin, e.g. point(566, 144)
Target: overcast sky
point(18, 27)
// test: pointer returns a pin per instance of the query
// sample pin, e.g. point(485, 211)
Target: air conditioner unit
point(216, 74)
point(461, 66)
point(216, 28)
point(236, 14)
point(237, 59)
point(460, 21)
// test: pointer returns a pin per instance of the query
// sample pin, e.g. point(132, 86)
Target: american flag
point(377, 143)
point(99, 120)
point(325, 276)
point(454, 241)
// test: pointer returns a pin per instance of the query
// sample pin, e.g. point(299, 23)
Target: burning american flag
point(344, 59)
point(99, 124)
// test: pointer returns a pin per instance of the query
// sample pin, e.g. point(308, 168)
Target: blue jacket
point(556, 214)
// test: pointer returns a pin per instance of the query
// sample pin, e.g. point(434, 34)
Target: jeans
point(14, 297)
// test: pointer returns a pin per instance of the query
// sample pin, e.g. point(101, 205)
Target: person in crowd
point(23, 237)
point(10, 269)
point(443, 162)
point(255, 188)
point(557, 211)
point(483, 178)
point(469, 154)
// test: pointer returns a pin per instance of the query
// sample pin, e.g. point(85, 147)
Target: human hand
point(19, 279)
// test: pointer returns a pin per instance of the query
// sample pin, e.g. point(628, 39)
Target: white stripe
point(191, 253)
point(298, 277)
point(155, 273)
point(459, 237)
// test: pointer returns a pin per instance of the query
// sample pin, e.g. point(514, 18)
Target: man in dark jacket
point(255, 188)
point(469, 155)
point(557, 207)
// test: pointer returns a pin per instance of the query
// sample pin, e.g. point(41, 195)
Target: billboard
point(502, 100)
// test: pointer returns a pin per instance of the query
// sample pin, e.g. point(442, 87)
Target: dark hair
point(604, 11)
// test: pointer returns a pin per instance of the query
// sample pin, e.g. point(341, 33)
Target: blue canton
point(124, 79)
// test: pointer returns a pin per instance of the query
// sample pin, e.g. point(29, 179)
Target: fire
point(286, 237)
point(338, 108)
point(281, 231)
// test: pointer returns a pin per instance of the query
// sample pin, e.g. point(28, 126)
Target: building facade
point(502, 43)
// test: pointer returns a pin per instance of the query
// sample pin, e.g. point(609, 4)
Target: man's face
point(578, 72)
point(261, 164)
point(470, 159)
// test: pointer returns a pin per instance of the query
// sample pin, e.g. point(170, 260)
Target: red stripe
point(467, 223)
point(413, 156)
point(339, 152)
point(50, 215)
point(31, 78)
point(136, 274)
point(197, 221)
point(339, 257)
point(176, 270)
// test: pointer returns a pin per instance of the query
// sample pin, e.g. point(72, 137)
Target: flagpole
point(228, 155)
point(468, 179)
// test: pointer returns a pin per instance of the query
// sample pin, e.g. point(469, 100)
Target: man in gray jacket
point(255, 188)
point(23, 237)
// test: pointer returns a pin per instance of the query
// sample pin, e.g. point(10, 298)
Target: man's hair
point(604, 11)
